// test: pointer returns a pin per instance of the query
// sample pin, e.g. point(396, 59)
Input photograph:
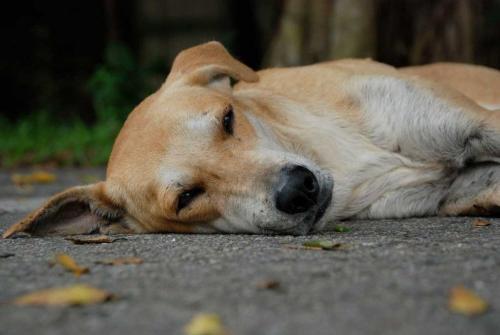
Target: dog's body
point(288, 150)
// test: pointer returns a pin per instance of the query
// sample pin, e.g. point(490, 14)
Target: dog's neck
point(363, 172)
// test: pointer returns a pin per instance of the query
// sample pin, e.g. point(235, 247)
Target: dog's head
point(195, 157)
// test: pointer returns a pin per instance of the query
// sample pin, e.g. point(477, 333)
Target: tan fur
point(484, 204)
point(479, 83)
point(173, 140)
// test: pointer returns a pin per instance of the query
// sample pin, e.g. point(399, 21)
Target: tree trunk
point(319, 30)
point(353, 30)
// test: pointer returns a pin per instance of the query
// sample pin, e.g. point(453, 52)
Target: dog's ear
point(78, 210)
point(208, 64)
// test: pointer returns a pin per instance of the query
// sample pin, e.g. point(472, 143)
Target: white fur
point(491, 107)
point(403, 161)
point(399, 161)
point(170, 177)
point(202, 125)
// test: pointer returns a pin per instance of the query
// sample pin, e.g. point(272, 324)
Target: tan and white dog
point(287, 150)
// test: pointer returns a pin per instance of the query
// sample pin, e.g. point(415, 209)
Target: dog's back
point(478, 83)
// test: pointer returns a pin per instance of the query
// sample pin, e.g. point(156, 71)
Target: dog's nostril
point(300, 204)
point(293, 202)
point(310, 184)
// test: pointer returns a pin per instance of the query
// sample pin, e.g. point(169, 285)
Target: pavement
point(392, 277)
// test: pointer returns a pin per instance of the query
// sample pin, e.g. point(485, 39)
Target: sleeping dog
point(288, 150)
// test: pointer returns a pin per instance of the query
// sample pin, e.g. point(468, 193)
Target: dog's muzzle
point(302, 197)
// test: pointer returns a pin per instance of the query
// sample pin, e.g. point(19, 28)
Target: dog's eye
point(228, 120)
point(186, 197)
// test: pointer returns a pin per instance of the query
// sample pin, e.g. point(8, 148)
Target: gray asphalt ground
point(394, 278)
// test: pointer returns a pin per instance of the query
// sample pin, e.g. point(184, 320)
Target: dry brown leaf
point(80, 294)
point(121, 261)
point(298, 247)
point(91, 239)
point(316, 245)
point(270, 284)
point(465, 301)
point(38, 177)
point(70, 264)
point(321, 244)
point(480, 223)
point(205, 324)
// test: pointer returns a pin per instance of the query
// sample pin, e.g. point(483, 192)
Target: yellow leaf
point(481, 223)
point(70, 264)
point(38, 177)
point(92, 239)
point(80, 294)
point(205, 324)
point(465, 301)
point(121, 261)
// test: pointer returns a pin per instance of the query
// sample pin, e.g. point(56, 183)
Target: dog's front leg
point(475, 192)
point(426, 122)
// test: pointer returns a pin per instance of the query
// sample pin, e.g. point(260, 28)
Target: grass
point(37, 139)
point(116, 86)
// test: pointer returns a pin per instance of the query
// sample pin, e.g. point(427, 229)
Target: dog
point(288, 150)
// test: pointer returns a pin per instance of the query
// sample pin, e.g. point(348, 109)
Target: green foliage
point(116, 87)
point(38, 139)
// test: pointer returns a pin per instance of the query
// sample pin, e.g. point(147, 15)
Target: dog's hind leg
point(475, 192)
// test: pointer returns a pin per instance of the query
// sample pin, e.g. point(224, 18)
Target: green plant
point(116, 87)
point(37, 139)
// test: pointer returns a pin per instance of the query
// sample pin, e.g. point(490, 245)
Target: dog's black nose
point(297, 190)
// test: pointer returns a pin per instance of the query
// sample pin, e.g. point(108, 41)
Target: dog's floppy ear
point(78, 210)
point(208, 64)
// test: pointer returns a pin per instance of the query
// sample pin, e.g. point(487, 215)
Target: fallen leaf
point(121, 261)
point(80, 294)
point(7, 255)
point(316, 245)
point(480, 223)
point(91, 239)
point(38, 177)
point(269, 284)
point(323, 245)
point(205, 324)
point(70, 264)
point(297, 247)
point(341, 229)
point(465, 301)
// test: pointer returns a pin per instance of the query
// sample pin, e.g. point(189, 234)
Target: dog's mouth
point(323, 207)
point(324, 201)
point(310, 220)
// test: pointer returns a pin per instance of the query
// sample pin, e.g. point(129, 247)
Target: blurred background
point(72, 70)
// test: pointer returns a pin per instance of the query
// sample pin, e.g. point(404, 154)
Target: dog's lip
point(299, 228)
point(323, 207)
point(315, 215)
point(320, 212)
point(325, 203)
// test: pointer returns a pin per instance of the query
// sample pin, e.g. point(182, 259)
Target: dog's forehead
point(167, 128)
point(172, 177)
point(189, 99)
